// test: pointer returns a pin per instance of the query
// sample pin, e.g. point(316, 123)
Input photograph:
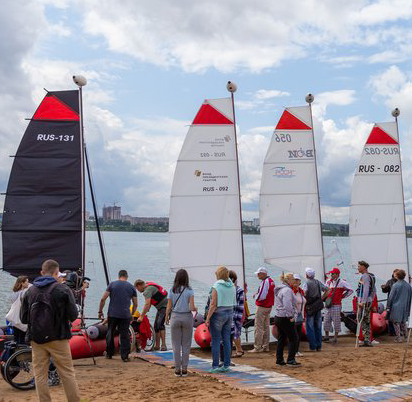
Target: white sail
point(377, 217)
point(204, 221)
point(289, 203)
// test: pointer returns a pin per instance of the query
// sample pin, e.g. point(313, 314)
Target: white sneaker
point(254, 350)
point(299, 354)
point(375, 342)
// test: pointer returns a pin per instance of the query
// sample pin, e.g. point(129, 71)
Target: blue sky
point(150, 64)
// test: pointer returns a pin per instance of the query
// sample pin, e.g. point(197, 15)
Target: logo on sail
point(301, 154)
point(281, 172)
point(217, 142)
point(207, 176)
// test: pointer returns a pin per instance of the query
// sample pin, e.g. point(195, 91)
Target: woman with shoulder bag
point(300, 309)
point(13, 316)
point(179, 307)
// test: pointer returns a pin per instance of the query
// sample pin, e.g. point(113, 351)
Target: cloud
point(239, 35)
point(263, 94)
point(259, 98)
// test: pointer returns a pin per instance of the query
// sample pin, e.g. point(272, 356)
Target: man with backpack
point(48, 308)
point(156, 296)
point(314, 305)
point(366, 292)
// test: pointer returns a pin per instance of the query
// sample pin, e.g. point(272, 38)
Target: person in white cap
point(265, 298)
point(314, 306)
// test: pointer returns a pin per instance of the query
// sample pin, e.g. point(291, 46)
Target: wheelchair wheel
point(150, 342)
point(19, 370)
point(132, 339)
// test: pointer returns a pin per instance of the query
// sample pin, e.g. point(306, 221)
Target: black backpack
point(42, 315)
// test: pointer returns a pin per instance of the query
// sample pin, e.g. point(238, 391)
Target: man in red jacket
point(265, 298)
point(338, 290)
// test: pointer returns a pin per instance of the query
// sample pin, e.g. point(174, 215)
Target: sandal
point(163, 348)
point(238, 354)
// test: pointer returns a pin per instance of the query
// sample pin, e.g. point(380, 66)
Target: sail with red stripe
point(289, 212)
point(204, 219)
point(42, 216)
point(377, 216)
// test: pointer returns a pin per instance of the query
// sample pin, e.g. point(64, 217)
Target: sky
point(150, 64)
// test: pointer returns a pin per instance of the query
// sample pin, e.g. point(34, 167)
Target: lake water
point(146, 256)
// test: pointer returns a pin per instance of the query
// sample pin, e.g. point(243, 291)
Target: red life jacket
point(159, 295)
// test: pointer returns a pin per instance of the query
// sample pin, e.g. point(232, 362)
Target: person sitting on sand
point(285, 311)
point(338, 289)
point(156, 296)
point(264, 301)
point(399, 305)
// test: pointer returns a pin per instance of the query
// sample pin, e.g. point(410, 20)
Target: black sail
point(43, 209)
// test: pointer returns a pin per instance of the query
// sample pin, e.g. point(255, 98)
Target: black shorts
point(159, 324)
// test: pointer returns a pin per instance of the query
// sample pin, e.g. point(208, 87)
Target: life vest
point(159, 295)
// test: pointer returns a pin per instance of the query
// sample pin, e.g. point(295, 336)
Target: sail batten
point(289, 211)
point(204, 219)
point(377, 217)
point(43, 209)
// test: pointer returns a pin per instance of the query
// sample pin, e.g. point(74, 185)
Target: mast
point(80, 81)
point(83, 186)
point(309, 99)
point(395, 113)
point(232, 87)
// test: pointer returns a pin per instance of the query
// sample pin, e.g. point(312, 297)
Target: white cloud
point(242, 35)
point(263, 94)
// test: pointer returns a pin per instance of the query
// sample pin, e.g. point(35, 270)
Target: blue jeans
point(314, 330)
point(220, 327)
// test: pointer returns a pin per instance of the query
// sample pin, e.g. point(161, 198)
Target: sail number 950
point(283, 138)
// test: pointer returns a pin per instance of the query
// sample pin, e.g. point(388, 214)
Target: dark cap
point(364, 263)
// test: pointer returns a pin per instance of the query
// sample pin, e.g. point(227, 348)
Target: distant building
point(112, 213)
point(86, 215)
point(256, 222)
point(248, 223)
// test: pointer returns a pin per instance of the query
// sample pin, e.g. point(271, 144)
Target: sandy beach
point(335, 367)
point(339, 366)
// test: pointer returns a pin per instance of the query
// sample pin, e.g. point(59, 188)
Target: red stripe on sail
point(207, 114)
point(289, 122)
point(52, 108)
point(378, 136)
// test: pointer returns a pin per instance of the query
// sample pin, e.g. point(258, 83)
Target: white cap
point(296, 276)
point(310, 272)
point(62, 274)
point(261, 270)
